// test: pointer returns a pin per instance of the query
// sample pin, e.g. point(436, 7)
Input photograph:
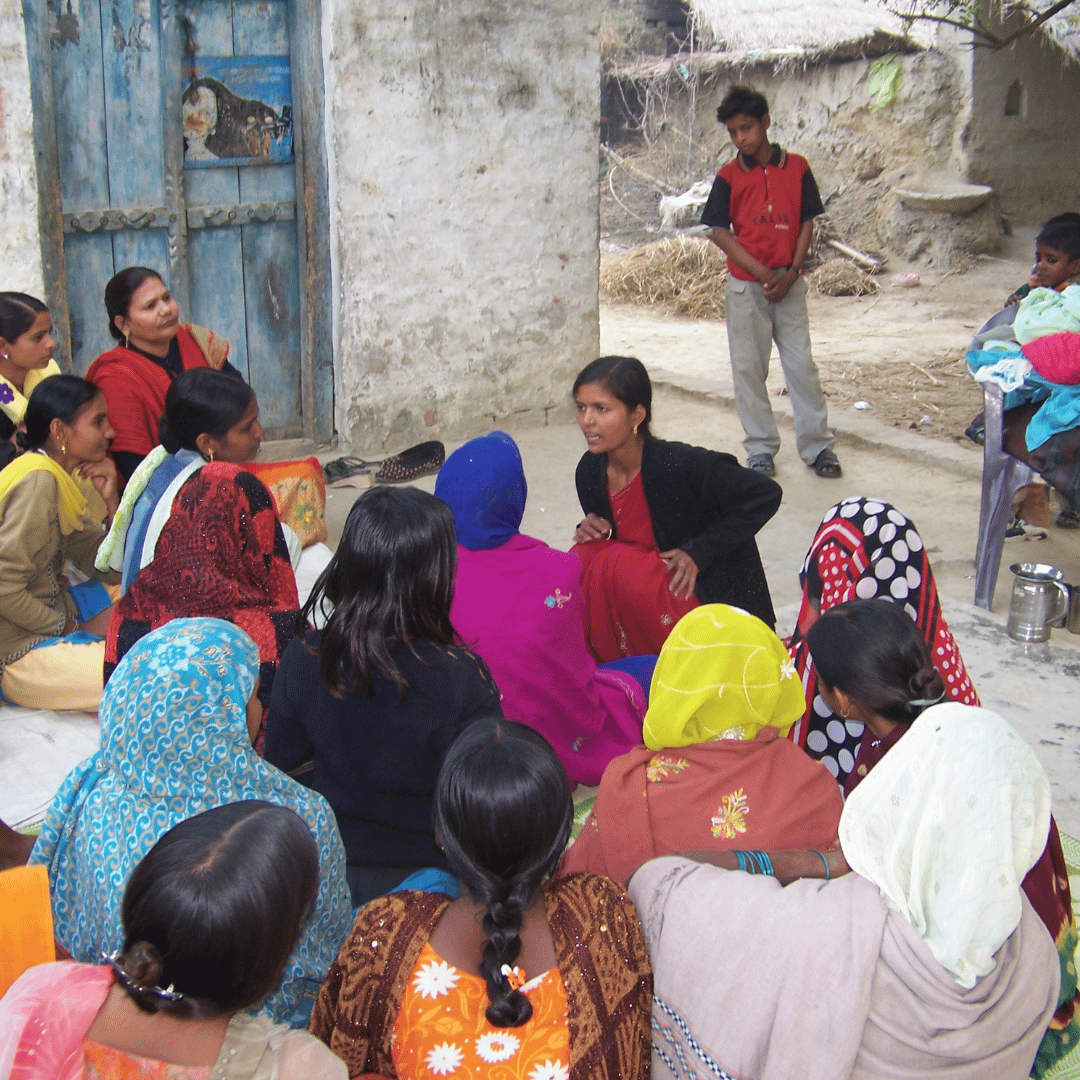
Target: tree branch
point(989, 39)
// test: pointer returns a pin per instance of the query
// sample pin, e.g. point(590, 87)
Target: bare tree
point(972, 16)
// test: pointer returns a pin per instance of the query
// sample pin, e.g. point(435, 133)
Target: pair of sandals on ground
point(826, 465)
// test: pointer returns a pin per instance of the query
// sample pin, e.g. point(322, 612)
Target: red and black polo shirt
point(764, 207)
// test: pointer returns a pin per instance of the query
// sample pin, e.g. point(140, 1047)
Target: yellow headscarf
point(721, 674)
point(71, 502)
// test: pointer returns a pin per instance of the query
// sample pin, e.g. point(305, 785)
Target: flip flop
point(762, 463)
point(343, 467)
point(827, 465)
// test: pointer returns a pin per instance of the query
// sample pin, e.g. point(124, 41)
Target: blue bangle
point(828, 872)
point(763, 862)
point(740, 858)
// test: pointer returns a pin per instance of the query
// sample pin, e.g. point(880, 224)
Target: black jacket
point(707, 504)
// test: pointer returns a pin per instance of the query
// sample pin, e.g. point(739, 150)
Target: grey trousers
point(753, 324)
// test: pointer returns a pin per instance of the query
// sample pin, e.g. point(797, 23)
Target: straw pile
point(840, 277)
point(684, 274)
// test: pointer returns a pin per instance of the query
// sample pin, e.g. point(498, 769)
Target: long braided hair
point(503, 813)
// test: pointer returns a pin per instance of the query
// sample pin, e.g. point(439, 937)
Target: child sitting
point(1057, 257)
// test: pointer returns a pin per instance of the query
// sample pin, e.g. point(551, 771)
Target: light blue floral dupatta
point(174, 742)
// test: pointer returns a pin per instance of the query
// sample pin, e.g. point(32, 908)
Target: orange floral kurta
point(441, 1029)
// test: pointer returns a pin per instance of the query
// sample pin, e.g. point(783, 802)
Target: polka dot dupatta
point(866, 549)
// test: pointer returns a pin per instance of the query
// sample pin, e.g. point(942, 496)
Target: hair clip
point(925, 703)
point(513, 975)
point(169, 993)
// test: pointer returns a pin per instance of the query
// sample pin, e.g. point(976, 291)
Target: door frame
point(312, 193)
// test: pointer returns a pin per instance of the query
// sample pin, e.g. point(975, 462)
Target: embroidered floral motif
point(435, 979)
point(496, 1046)
point(660, 767)
point(666, 620)
point(558, 600)
point(787, 669)
point(730, 817)
point(7, 395)
point(444, 1058)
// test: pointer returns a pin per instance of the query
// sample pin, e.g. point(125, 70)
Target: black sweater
point(375, 759)
point(706, 503)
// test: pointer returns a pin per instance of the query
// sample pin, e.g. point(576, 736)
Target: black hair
point(503, 812)
point(17, 314)
point(742, 99)
point(390, 580)
point(214, 909)
point(201, 401)
point(119, 291)
point(873, 651)
point(61, 397)
point(1062, 233)
point(626, 378)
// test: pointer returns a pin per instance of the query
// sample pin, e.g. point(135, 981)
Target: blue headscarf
point(483, 483)
point(174, 742)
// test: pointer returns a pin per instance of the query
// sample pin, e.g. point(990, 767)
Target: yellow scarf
point(71, 504)
point(16, 406)
point(722, 673)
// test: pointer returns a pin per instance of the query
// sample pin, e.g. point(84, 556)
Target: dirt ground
point(901, 351)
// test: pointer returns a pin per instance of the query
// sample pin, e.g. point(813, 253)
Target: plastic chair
point(1002, 477)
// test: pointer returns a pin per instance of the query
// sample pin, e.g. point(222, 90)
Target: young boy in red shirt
point(761, 210)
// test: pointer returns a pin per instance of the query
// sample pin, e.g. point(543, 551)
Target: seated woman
point(26, 355)
point(866, 548)
point(366, 708)
point(221, 554)
point(667, 526)
point(50, 631)
point(154, 348)
point(549, 978)
point(874, 666)
point(177, 723)
point(210, 417)
point(716, 770)
point(518, 604)
point(928, 960)
point(210, 914)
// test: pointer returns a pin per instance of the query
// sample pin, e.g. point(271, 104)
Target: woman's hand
point(594, 527)
point(99, 624)
point(103, 475)
point(683, 571)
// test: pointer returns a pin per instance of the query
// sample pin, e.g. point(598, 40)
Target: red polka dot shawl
point(866, 549)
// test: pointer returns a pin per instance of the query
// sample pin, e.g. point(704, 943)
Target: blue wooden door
point(176, 149)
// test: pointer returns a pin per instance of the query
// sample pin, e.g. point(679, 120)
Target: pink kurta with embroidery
point(520, 607)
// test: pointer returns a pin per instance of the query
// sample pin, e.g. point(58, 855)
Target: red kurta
point(135, 389)
point(629, 609)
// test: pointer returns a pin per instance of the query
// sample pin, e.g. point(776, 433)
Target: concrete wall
point(464, 199)
point(20, 250)
point(1030, 158)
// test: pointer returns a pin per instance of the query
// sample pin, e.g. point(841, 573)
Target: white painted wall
point(463, 156)
point(20, 250)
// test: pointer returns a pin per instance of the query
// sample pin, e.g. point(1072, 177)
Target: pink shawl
point(43, 1019)
point(822, 981)
point(520, 607)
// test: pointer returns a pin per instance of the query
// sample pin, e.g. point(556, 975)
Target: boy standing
point(761, 210)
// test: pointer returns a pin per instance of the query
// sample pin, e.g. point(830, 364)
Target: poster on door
point(237, 111)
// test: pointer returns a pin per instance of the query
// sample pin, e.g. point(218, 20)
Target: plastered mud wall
point(1025, 128)
point(20, 251)
point(464, 199)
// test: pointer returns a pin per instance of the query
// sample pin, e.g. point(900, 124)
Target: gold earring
point(635, 429)
point(211, 457)
point(127, 340)
point(63, 448)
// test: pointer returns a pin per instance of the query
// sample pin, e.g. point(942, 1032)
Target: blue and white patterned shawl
point(174, 742)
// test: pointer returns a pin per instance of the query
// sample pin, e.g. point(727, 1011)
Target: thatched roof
point(808, 29)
